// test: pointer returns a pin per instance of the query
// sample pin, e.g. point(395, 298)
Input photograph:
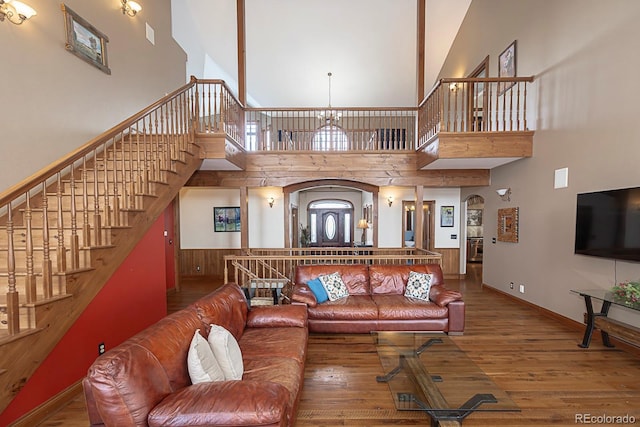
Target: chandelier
point(329, 116)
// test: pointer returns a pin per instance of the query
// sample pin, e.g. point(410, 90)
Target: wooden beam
point(419, 213)
point(244, 217)
point(427, 178)
point(242, 67)
point(421, 42)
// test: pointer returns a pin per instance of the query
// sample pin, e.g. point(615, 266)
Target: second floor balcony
point(463, 123)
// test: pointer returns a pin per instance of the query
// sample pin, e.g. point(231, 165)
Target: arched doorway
point(297, 216)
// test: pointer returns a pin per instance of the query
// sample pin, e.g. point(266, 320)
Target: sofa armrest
point(277, 316)
point(303, 294)
point(224, 403)
point(456, 317)
point(443, 296)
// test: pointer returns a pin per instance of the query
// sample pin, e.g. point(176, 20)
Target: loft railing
point(454, 105)
point(278, 263)
point(48, 221)
point(474, 105)
point(330, 129)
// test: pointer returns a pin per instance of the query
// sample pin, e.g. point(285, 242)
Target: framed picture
point(474, 217)
point(507, 67)
point(446, 216)
point(226, 219)
point(85, 41)
point(508, 225)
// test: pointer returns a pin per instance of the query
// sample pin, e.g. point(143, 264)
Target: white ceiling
point(368, 45)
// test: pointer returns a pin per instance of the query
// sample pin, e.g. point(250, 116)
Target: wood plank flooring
point(533, 357)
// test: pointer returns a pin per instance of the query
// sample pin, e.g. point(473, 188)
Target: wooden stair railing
point(66, 229)
point(280, 263)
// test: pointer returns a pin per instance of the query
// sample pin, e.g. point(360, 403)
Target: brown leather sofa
point(376, 300)
point(145, 380)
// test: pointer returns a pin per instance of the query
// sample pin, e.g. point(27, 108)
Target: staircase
point(65, 230)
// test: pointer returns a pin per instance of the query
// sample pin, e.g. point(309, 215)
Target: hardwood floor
point(533, 357)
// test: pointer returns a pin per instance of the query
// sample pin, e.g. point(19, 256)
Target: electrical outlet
point(101, 348)
point(511, 285)
point(522, 289)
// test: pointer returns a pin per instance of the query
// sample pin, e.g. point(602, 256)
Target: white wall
point(584, 56)
point(196, 218)
point(266, 224)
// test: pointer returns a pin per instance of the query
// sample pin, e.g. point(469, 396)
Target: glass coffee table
point(428, 372)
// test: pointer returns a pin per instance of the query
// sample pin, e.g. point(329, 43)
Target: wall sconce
point(271, 201)
point(16, 12)
point(130, 8)
point(505, 194)
point(390, 200)
point(453, 87)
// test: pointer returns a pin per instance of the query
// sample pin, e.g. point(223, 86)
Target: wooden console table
point(601, 321)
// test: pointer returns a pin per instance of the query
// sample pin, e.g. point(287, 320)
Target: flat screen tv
point(608, 224)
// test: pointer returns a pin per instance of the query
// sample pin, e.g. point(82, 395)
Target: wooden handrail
point(59, 165)
point(282, 261)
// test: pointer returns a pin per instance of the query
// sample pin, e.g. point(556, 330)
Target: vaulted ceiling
point(369, 46)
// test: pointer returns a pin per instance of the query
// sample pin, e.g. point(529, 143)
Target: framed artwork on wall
point(474, 217)
point(507, 66)
point(508, 225)
point(446, 216)
point(85, 41)
point(226, 219)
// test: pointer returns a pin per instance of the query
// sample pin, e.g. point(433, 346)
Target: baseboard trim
point(51, 406)
point(622, 345)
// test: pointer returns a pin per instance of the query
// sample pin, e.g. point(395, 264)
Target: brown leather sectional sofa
point(376, 300)
point(145, 380)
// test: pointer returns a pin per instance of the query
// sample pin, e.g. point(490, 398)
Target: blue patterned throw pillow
point(418, 285)
point(318, 290)
point(335, 287)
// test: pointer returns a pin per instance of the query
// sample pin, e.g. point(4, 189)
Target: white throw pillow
point(335, 286)
point(201, 362)
point(227, 352)
point(418, 285)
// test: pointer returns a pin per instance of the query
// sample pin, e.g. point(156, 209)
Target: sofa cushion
point(355, 276)
point(227, 352)
point(274, 342)
point(392, 279)
point(225, 403)
point(201, 362)
point(418, 285)
point(353, 307)
point(335, 287)
point(227, 307)
point(398, 307)
point(318, 290)
point(288, 373)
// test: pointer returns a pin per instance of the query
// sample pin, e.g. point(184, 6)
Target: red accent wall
point(169, 244)
point(133, 298)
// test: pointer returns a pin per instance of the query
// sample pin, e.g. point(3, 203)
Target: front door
point(331, 224)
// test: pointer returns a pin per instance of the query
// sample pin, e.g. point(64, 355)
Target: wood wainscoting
point(204, 262)
point(450, 262)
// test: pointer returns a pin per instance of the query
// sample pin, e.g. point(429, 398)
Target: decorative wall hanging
point(226, 219)
point(508, 225)
point(446, 216)
point(85, 41)
point(507, 67)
